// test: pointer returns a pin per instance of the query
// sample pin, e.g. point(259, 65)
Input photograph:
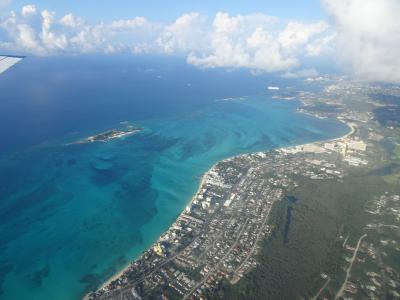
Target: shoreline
point(350, 125)
point(120, 273)
point(200, 186)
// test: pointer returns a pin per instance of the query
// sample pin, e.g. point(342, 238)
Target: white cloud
point(44, 34)
point(28, 10)
point(321, 46)
point(256, 41)
point(188, 32)
point(368, 37)
point(363, 34)
point(297, 34)
point(53, 41)
point(259, 51)
point(253, 42)
point(69, 20)
point(27, 39)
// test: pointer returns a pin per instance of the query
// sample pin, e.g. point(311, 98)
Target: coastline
point(350, 125)
point(120, 273)
point(200, 187)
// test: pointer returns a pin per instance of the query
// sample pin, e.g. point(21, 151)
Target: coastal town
point(217, 237)
point(200, 150)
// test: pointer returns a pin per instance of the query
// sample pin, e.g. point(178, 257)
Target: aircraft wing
point(7, 61)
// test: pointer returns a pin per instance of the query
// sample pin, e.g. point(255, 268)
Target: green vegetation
point(331, 215)
point(397, 152)
point(327, 211)
point(392, 179)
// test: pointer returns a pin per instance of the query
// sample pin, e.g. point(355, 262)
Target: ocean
point(73, 215)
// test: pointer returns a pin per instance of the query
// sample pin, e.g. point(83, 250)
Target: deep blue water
point(70, 216)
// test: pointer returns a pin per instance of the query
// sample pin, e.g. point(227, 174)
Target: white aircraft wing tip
point(7, 61)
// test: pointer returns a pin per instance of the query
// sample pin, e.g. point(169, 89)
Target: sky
point(360, 37)
point(161, 10)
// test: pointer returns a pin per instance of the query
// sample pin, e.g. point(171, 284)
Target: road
point(348, 271)
point(321, 289)
point(217, 266)
point(234, 280)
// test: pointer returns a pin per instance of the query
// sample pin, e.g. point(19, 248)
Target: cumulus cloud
point(257, 41)
point(368, 37)
point(297, 34)
point(44, 33)
point(188, 32)
point(26, 38)
point(50, 39)
point(322, 46)
point(363, 34)
point(253, 42)
point(28, 10)
point(69, 20)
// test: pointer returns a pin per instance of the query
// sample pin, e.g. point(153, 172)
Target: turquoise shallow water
point(71, 216)
point(88, 209)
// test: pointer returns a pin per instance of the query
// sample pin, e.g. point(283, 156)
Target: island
point(111, 134)
point(221, 245)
